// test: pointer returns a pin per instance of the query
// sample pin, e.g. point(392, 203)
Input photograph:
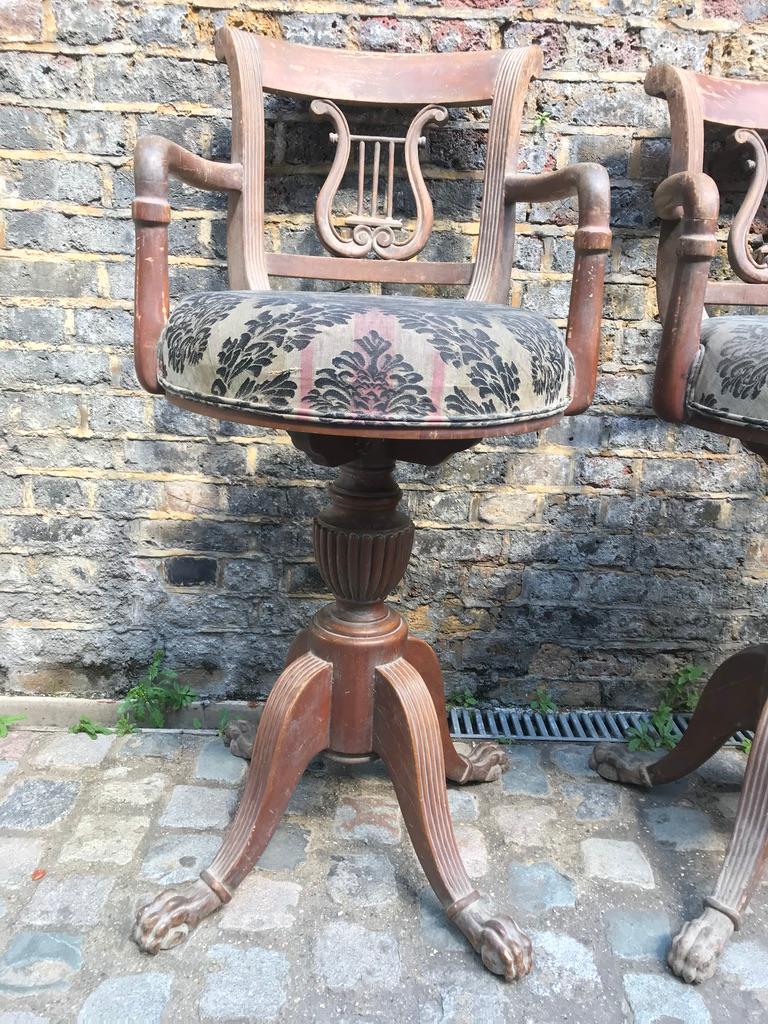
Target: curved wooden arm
point(694, 202)
point(155, 161)
point(590, 184)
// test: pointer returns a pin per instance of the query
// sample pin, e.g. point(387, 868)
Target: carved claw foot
point(695, 949)
point(169, 918)
point(484, 763)
point(614, 763)
point(503, 948)
point(240, 736)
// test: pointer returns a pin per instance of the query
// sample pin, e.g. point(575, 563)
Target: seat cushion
point(330, 358)
point(729, 380)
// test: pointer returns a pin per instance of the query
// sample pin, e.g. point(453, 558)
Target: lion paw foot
point(484, 763)
point(503, 948)
point(169, 918)
point(695, 949)
point(240, 736)
point(614, 763)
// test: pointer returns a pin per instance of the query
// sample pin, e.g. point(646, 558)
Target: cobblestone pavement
point(338, 924)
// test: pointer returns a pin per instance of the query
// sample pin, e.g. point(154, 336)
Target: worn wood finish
point(353, 688)
point(688, 205)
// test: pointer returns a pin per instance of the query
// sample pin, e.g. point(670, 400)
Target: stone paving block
point(747, 962)
point(728, 805)
point(525, 827)
point(348, 956)
point(638, 934)
point(613, 860)
point(74, 902)
point(15, 745)
point(725, 769)
point(39, 962)
point(463, 998)
point(199, 807)
point(286, 849)
point(105, 839)
point(473, 850)
point(262, 904)
point(19, 856)
point(3, 907)
point(309, 798)
point(462, 804)
point(214, 762)
point(6, 767)
point(131, 792)
point(436, 930)
point(536, 887)
point(361, 880)
point(74, 750)
point(565, 967)
point(179, 859)
point(663, 999)
point(525, 775)
point(22, 1017)
point(37, 803)
point(574, 761)
point(595, 802)
point(251, 984)
point(165, 745)
point(370, 819)
point(145, 994)
point(684, 828)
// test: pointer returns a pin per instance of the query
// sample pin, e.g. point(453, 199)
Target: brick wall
point(595, 557)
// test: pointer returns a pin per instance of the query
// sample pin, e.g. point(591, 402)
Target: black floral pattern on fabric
point(372, 381)
point(743, 365)
point(392, 360)
point(189, 329)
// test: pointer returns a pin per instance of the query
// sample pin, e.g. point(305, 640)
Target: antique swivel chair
point(359, 381)
point(712, 373)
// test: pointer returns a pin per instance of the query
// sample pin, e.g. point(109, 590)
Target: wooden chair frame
point(736, 696)
point(355, 685)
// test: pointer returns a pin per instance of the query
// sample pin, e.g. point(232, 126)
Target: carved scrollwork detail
point(373, 228)
point(750, 264)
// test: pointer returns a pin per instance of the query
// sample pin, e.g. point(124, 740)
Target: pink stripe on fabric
point(306, 376)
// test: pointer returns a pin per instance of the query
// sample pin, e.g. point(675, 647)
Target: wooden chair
point(712, 372)
point(359, 381)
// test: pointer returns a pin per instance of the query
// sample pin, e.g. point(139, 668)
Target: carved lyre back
point(697, 100)
point(373, 242)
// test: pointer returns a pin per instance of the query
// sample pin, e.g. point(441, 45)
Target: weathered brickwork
point(596, 557)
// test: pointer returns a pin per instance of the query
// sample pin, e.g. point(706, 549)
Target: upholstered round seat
point(729, 380)
point(358, 359)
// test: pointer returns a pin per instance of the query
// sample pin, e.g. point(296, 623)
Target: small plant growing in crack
point(746, 746)
point(155, 696)
point(542, 701)
point(541, 119)
point(6, 721)
point(92, 729)
point(680, 694)
point(462, 699)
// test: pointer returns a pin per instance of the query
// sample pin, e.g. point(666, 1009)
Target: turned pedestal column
point(355, 687)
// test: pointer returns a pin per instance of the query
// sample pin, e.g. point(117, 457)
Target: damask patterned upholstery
point(729, 380)
point(361, 359)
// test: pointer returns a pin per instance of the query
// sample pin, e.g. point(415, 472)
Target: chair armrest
point(155, 161)
point(684, 256)
point(590, 184)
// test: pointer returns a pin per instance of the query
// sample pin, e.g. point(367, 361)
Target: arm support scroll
point(693, 201)
point(592, 241)
point(155, 161)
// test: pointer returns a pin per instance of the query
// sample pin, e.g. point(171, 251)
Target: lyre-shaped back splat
point(373, 228)
point(749, 264)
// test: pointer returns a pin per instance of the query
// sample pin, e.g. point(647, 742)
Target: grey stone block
point(249, 982)
point(39, 962)
point(147, 994)
point(37, 803)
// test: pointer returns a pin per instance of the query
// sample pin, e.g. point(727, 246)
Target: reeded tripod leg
point(731, 700)
point(240, 733)
point(407, 736)
point(486, 761)
point(695, 950)
point(294, 729)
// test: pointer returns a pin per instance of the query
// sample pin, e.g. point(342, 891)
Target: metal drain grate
point(578, 726)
